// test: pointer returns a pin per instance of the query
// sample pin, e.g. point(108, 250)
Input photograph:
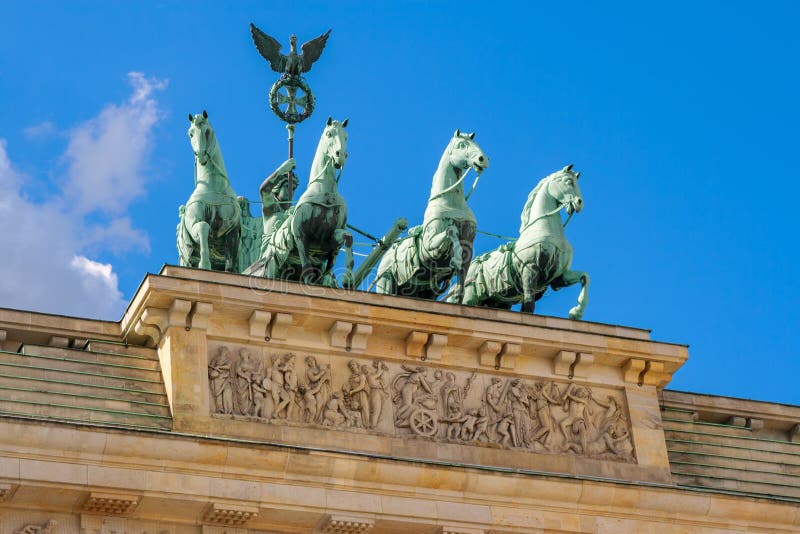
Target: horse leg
point(343, 238)
point(530, 275)
point(470, 296)
point(438, 239)
point(199, 232)
point(386, 284)
point(465, 252)
point(570, 278)
point(305, 265)
point(232, 249)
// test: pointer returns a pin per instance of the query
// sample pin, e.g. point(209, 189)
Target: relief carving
point(47, 528)
point(221, 382)
point(419, 401)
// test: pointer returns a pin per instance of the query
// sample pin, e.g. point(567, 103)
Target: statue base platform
point(223, 402)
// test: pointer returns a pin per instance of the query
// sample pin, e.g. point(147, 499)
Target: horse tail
point(184, 239)
point(391, 256)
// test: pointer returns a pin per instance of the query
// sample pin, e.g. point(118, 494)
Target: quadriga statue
point(303, 243)
point(208, 232)
point(424, 263)
point(521, 271)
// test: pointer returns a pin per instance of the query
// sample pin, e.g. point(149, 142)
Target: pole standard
point(290, 129)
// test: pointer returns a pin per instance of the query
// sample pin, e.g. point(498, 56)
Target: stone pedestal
point(224, 403)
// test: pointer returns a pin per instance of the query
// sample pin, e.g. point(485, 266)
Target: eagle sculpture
point(292, 64)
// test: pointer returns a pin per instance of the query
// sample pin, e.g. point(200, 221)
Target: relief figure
point(221, 382)
point(543, 396)
point(243, 383)
point(319, 381)
point(519, 405)
point(377, 390)
point(281, 397)
point(356, 391)
point(290, 384)
point(335, 413)
point(576, 403)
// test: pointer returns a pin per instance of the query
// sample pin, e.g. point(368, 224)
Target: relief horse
point(208, 232)
point(521, 271)
point(305, 245)
point(424, 263)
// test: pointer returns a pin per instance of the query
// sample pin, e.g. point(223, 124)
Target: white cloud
point(97, 278)
point(107, 155)
point(40, 242)
point(47, 244)
point(40, 131)
point(118, 237)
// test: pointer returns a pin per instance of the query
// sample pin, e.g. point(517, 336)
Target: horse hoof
point(347, 280)
point(575, 313)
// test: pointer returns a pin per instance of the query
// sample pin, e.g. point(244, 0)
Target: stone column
point(184, 364)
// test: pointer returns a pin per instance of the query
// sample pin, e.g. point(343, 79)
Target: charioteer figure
point(276, 198)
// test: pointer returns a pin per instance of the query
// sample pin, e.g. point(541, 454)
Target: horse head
point(334, 142)
point(562, 187)
point(465, 153)
point(565, 189)
point(202, 137)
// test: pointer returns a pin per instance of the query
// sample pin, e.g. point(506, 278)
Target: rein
point(211, 159)
point(548, 214)
point(320, 176)
point(457, 183)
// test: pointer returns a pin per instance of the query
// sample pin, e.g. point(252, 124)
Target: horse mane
point(526, 211)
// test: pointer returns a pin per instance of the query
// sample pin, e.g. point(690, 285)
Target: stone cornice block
point(339, 524)
point(349, 336)
point(434, 347)
point(632, 370)
point(338, 333)
point(7, 491)
point(358, 337)
point(415, 343)
point(508, 356)
point(647, 373)
point(736, 420)
point(487, 353)
point(654, 375)
point(424, 345)
point(754, 423)
point(58, 341)
point(498, 354)
point(199, 315)
point(794, 434)
point(582, 365)
point(151, 324)
point(563, 362)
point(178, 313)
point(110, 503)
point(279, 326)
point(258, 323)
point(229, 514)
point(573, 364)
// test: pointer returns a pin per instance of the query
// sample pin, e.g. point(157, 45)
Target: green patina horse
point(208, 232)
point(424, 263)
point(521, 271)
point(305, 245)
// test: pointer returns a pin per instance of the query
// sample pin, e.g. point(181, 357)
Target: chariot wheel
point(291, 99)
point(423, 422)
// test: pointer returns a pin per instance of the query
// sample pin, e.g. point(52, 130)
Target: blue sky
point(682, 117)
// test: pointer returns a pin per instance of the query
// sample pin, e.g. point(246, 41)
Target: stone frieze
point(419, 401)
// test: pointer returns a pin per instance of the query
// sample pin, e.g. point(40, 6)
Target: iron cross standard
point(290, 98)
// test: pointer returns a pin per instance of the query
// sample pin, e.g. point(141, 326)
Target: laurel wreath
point(290, 117)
